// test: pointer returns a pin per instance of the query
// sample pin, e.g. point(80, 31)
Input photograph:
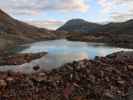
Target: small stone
point(121, 82)
point(36, 68)
point(78, 98)
point(42, 74)
point(108, 94)
point(3, 83)
point(9, 79)
point(130, 67)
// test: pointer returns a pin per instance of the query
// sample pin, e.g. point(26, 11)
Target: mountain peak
point(78, 25)
point(76, 21)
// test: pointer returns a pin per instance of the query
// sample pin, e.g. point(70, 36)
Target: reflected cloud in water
point(61, 52)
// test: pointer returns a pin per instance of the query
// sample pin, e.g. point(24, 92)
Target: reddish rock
point(104, 78)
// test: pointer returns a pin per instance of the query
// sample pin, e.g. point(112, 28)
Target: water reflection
point(62, 51)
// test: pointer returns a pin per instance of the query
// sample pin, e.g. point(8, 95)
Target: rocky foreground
point(105, 78)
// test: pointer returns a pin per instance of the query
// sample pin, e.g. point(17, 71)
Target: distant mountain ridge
point(82, 26)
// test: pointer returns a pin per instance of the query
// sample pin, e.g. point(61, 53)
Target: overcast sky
point(53, 13)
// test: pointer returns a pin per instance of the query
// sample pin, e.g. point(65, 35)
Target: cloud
point(106, 5)
point(50, 24)
point(29, 8)
point(33, 7)
point(119, 10)
point(124, 13)
point(113, 10)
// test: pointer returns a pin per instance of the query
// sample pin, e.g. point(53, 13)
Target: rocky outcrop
point(122, 55)
point(18, 59)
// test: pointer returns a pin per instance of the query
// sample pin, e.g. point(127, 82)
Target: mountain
point(14, 28)
point(118, 34)
point(119, 28)
point(79, 26)
point(15, 31)
point(82, 26)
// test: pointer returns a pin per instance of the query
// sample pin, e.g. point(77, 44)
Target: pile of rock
point(105, 78)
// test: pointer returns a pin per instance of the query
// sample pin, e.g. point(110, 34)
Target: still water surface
point(63, 51)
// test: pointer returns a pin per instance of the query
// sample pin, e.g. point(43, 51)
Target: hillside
point(14, 31)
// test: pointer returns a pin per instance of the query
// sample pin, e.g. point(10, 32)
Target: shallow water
point(61, 52)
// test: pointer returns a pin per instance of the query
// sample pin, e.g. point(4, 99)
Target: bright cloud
point(106, 5)
point(119, 10)
point(123, 14)
point(30, 8)
point(33, 7)
point(50, 24)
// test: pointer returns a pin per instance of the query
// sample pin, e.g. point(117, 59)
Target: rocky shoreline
point(18, 59)
point(117, 41)
point(104, 78)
